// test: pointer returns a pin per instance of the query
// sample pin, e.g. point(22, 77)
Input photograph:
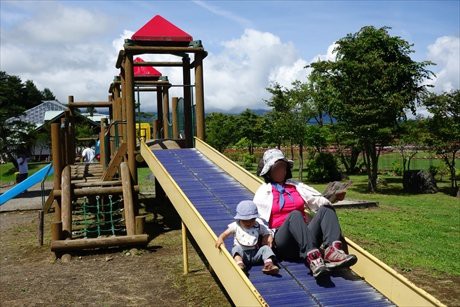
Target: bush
point(323, 168)
point(396, 168)
point(248, 160)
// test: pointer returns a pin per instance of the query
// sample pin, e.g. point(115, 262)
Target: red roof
point(145, 71)
point(159, 29)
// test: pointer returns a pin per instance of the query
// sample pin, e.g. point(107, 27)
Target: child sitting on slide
point(248, 232)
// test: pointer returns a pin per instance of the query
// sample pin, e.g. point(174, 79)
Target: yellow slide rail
point(239, 288)
point(393, 285)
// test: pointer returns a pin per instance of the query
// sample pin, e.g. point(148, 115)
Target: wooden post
point(188, 131)
point(155, 129)
point(199, 94)
point(128, 199)
point(56, 155)
point(102, 149)
point(66, 199)
point(71, 132)
point(41, 216)
point(140, 224)
point(123, 102)
point(184, 248)
point(130, 116)
point(159, 112)
point(165, 112)
point(175, 125)
point(56, 230)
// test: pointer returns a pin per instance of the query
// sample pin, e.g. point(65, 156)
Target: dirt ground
point(30, 274)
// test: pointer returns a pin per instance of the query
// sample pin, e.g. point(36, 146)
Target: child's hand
point(219, 242)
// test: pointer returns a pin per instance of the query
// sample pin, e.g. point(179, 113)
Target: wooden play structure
point(96, 204)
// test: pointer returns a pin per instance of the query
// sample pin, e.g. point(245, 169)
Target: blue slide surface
point(24, 185)
point(215, 195)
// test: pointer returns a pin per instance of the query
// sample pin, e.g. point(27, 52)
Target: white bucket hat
point(271, 156)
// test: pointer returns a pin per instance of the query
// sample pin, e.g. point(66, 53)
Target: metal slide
point(27, 183)
point(205, 187)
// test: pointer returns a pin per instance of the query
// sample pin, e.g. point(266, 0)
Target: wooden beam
point(115, 162)
point(79, 244)
point(159, 64)
point(85, 104)
point(48, 202)
point(100, 183)
point(96, 191)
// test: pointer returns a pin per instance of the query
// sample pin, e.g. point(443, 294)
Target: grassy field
point(8, 176)
point(407, 231)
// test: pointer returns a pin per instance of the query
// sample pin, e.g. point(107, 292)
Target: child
point(246, 231)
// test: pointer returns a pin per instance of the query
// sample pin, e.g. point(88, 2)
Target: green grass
point(8, 176)
point(406, 231)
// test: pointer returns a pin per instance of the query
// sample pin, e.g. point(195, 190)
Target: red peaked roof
point(159, 29)
point(145, 71)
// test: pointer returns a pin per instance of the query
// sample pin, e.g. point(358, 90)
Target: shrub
point(248, 160)
point(323, 168)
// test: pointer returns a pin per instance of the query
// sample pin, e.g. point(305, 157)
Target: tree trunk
point(371, 161)
point(300, 162)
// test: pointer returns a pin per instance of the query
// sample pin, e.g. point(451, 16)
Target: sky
point(71, 47)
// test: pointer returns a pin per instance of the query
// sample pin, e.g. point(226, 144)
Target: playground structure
point(96, 205)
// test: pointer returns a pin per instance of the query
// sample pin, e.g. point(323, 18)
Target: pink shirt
point(294, 202)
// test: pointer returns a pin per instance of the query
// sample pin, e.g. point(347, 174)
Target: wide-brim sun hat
point(271, 156)
point(246, 210)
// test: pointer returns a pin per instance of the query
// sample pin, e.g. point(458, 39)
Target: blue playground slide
point(24, 185)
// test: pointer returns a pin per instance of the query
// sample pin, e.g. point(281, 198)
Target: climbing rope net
point(98, 216)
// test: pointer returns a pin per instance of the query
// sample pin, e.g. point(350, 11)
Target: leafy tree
point(444, 127)
point(375, 81)
point(32, 96)
point(413, 138)
point(250, 126)
point(220, 130)
point(47, 94)
point(13, 133)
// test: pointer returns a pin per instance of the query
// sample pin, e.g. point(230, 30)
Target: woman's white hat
point(271, 156)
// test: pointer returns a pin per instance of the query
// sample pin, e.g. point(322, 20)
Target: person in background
point(281, 203)
point(248, 233)
point(88, 154)
point(23, 167)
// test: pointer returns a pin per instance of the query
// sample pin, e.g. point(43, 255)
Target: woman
point(282, 202)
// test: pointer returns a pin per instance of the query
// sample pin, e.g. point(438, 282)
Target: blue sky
point(71, 46)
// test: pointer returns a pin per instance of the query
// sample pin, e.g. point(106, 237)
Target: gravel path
point(30, 200)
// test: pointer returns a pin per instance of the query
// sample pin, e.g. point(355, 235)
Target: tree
point(413, 138)
point(444, 128)
point(221, 130)
point(375, 81)
point(32, 96)
point(47, 94)
point(13, 133)
point(250, 126)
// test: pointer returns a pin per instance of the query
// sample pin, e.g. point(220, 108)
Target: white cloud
point(60, 48)
point(57, 24)
point(237, 77)
point(445, 52)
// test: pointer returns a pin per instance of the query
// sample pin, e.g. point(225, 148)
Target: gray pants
point(295, 238)
point(253, 256)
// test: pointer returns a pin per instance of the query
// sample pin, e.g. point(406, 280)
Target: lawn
point(406, 231)
point(8, 176)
